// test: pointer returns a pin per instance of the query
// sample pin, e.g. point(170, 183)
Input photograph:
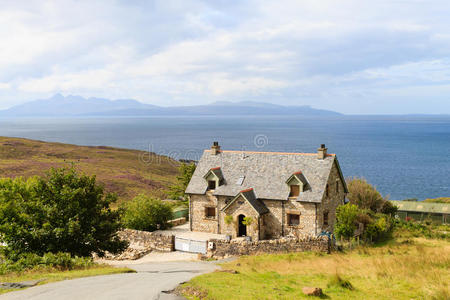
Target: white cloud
point(171, 52)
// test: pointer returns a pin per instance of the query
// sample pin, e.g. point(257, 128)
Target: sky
point(354, 57)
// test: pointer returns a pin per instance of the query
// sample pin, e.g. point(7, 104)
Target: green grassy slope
point(122, 171)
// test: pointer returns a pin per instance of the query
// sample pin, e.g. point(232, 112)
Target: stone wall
point(224, 248)
point(143, 242)
point(178, 221)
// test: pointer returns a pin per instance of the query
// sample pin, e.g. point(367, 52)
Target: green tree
point(177, 190)
point(364, 195)
point(145, 213)
point(346, 220)
point(61, 212)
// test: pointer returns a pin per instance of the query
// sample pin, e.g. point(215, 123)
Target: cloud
point(323, 53)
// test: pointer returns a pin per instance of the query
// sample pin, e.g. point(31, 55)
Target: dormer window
point(211, 185)
point(214, 178)
point(294, 191)
point(297, 183)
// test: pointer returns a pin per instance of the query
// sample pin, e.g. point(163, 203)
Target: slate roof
point(249, 194)
point(265, 172)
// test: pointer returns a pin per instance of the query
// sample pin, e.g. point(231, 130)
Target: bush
point(62, 212)
point(346, 217)
point(350, 217)
point(413, 228)
point(379, 229)
point(365, 196)
point(145, 213)
point(28, 261)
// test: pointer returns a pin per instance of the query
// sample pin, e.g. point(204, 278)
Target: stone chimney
point(215, 148)
point(322, 152)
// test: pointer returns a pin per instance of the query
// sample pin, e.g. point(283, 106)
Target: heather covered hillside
point(124, 172)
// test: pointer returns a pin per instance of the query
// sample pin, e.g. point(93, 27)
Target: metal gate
point(188, 245)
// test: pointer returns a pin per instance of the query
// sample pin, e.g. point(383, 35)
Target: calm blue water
point(405, 157)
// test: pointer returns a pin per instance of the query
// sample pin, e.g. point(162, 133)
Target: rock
point(312, 291)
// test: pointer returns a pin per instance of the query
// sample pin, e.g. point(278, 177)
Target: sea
point(403, 156)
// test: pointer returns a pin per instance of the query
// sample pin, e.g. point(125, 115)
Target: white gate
point(188, 245)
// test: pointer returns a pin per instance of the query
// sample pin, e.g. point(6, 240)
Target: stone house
point(265, 194)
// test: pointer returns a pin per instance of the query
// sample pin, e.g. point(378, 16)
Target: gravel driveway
point(148, 283)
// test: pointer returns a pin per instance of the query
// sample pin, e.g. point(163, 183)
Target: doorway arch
point(242, 228)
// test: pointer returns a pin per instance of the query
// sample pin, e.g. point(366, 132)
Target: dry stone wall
point(142, 243)
point(223, 248)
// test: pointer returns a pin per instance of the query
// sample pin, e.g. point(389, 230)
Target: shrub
point(61, 261)
point(375, 226)
point(61, 212)
point(412, 228)
point(228, 219)
point(379, 229)
point(247, 221)
point(365, 196)
point(145, 213)
point(346, 217)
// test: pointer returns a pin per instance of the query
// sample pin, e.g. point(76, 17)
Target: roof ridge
point(268, 152)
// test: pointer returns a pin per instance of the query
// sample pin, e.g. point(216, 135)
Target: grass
point(52, 275)
point(415, 268)
point(124, 172)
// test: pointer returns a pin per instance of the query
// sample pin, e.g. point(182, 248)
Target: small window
point(325, 218)
point(295, 190)
point(211, 184)
point(327, 190)
point(293, 219)
point(210, 212)
point(337, 186)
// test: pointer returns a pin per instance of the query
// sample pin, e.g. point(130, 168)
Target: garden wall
point(222, 248)
point(143, 242)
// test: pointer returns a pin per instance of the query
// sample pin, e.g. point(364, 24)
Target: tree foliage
point(346, 220)
point(366, 196)
point(368, 215)
point(145, 213)
point(177, 191)
point(61, 212)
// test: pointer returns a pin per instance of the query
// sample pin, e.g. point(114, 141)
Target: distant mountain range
point(72, 106)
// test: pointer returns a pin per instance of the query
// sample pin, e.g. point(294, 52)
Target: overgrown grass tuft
point(337, 281)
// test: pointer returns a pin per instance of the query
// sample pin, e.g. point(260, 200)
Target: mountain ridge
point(73, 106)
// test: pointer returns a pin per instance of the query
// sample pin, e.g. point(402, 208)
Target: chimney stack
point(322, 152)
point(215, 148)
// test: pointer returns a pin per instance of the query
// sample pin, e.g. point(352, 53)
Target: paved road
point(148, 283)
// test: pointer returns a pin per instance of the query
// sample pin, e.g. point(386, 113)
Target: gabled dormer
point(214, 178)
point(297, 183)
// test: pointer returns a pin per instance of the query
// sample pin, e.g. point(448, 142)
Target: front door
point(242, 230)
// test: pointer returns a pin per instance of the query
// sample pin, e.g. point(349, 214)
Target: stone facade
point(274, 224)
point(336, 196)
point(283, 194)
point(223, 248)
